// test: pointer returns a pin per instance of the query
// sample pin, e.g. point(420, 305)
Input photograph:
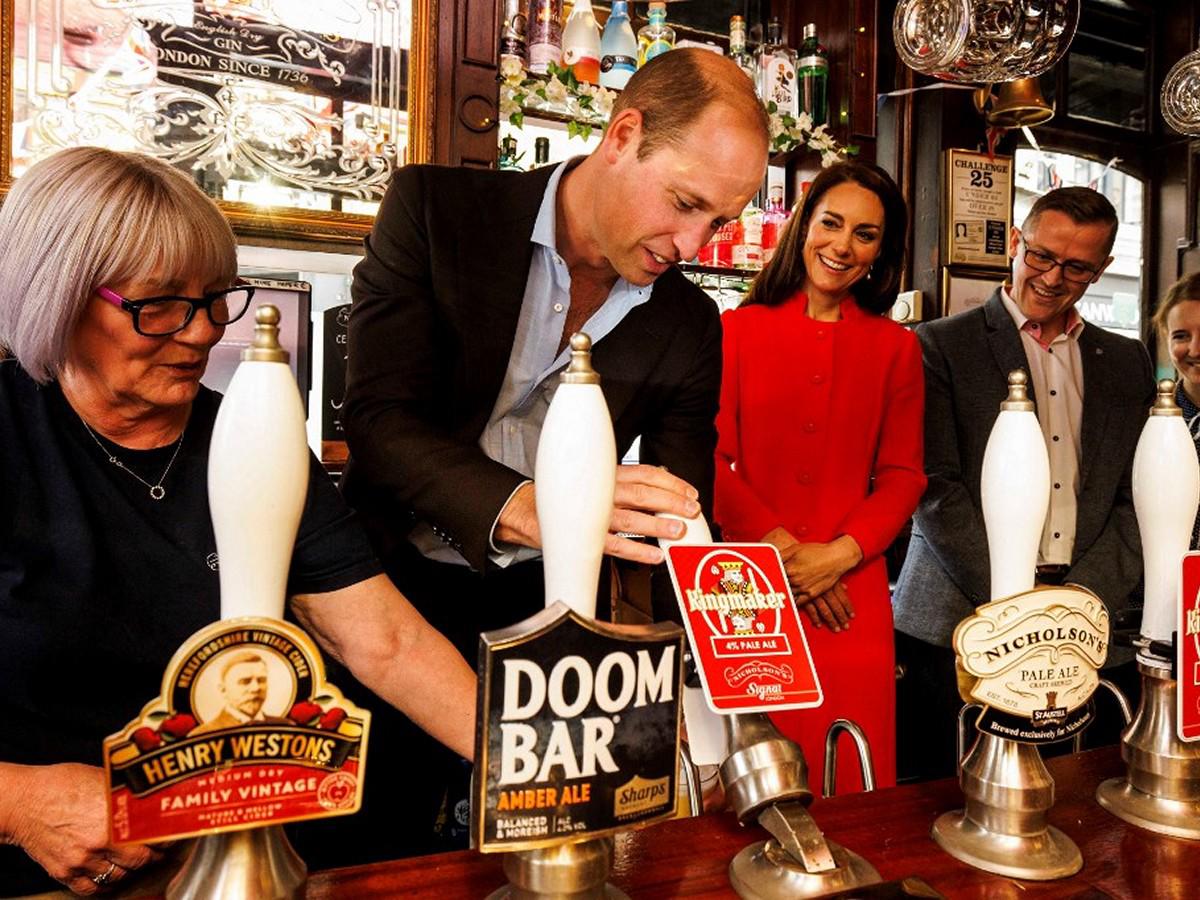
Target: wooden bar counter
point(690, 857)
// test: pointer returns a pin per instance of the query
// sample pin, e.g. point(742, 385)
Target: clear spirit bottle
point(656, 37)
point(737, 46)
point(777, 72)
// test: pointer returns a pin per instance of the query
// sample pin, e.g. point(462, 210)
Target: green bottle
point(812, 72)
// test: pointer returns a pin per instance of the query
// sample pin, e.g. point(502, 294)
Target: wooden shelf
point(718, 270)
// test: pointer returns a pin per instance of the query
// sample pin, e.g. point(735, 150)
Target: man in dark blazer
point(1092, 389)
point(455, 287)
point(472, 284)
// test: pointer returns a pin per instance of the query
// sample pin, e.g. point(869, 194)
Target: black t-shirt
point(100, 583)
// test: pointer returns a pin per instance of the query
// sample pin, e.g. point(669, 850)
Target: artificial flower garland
point(588, 106)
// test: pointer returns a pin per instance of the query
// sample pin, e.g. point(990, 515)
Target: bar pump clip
point(737, 607)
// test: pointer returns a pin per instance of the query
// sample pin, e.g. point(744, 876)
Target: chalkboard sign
point(333, 383)
point(577, 734)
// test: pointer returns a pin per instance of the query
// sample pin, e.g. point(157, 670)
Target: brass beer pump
point(1161, 788)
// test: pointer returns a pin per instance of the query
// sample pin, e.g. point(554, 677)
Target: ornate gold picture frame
point(291, 114)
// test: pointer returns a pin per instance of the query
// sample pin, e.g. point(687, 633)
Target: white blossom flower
point(508, 105)
point(511, 70)
point(775, 123)
point(828, 158)
point(804, 122)
point(603, 102)
point(556, 91)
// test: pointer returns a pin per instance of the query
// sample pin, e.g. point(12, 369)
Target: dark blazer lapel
point(1096, 387)
point(1004, 340)
point(491, 292)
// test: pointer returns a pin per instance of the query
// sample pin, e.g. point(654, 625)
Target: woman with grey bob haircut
point(117, 277)
point(87, 217)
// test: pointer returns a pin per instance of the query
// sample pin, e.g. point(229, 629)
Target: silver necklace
point(157, 492)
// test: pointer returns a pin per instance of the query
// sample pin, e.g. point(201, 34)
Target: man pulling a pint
point(472, 285)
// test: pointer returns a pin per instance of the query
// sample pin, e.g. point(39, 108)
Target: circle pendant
point(157, 492)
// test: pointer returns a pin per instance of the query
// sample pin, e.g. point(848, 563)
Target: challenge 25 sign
point(247, 732)
point(578, 729)
point(744, 630)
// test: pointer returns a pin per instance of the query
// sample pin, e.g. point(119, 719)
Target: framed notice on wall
point(963, 290)
point(978, 209)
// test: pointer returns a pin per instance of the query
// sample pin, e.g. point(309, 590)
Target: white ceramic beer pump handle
point(1166, 492)
point(696, 531)
point(258, 476)
point(1015, 491)
point(575, 477)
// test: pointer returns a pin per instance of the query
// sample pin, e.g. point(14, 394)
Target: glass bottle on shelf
point(775, 217)
point(812, 74)
point(618, 48)
point(581, 43)
point(508, 154)
point(656, 37)
point(541, 151)
point(777, 72)
point(512, 35)
point(545, 34)
point(718, 252)
point(747, 244)
point(737, 46)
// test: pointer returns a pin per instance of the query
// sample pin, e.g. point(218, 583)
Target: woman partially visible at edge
point(1177, 320)
point(821, 441)
point(117, 277)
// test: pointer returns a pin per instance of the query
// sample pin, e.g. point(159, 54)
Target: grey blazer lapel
point(1004, 339)
point(1096, 387)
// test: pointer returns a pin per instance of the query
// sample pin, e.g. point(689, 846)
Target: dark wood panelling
point(466, 101)
point(862, 68)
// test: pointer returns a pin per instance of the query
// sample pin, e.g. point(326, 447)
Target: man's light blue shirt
point(512, 432)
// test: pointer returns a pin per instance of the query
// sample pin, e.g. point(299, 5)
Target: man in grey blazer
point(1092, 391)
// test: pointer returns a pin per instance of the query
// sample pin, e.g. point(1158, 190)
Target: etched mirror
point(292, 113)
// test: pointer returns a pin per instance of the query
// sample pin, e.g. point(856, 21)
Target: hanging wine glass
point(1180, 98)
point(1004, 40)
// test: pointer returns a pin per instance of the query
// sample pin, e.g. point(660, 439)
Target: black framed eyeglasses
point(161, 316)
point(1041, 261)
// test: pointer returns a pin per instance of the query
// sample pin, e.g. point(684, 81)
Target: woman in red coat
point(820, 446)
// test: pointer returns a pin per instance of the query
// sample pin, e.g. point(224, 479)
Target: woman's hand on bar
point(59, 815)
